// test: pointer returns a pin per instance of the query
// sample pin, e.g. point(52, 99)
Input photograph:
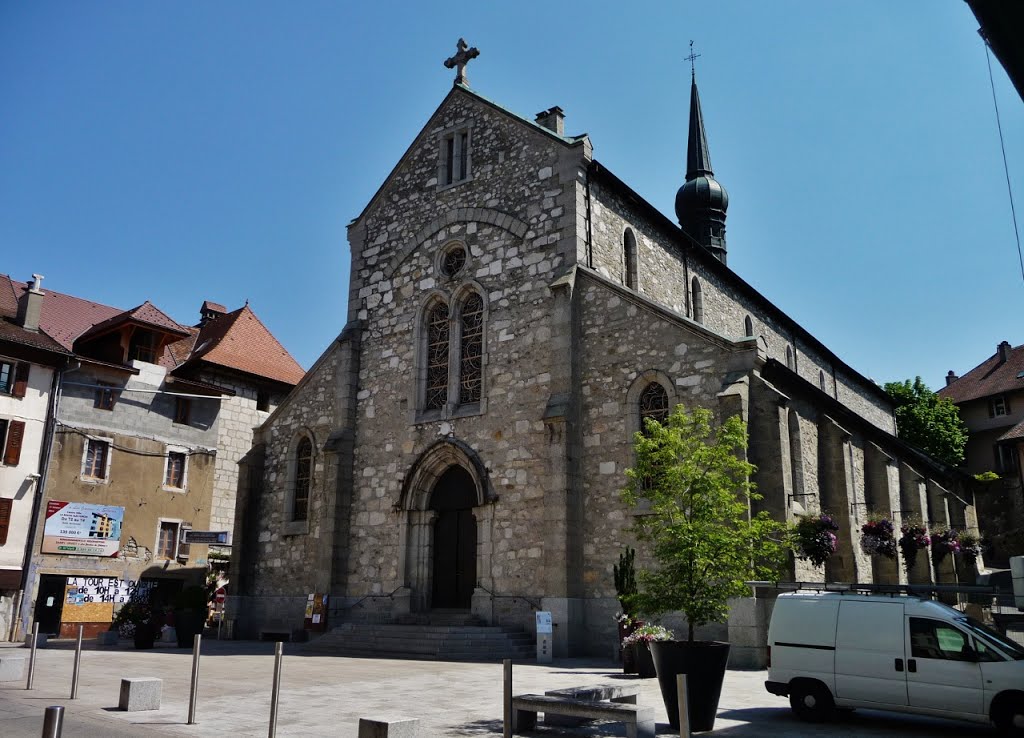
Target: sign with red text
point(81, 529)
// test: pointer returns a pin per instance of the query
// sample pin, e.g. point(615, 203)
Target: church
point(515, 310)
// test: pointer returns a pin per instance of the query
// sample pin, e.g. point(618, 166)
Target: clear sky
point(188, 151)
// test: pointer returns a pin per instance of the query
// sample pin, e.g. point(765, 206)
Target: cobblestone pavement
point(326, 696)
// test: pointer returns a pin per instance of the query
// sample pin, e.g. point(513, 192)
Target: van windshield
point(1013, 650)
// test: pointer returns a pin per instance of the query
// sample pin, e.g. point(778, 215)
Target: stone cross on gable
point(460, 60)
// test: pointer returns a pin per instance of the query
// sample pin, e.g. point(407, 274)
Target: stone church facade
point(514, 309)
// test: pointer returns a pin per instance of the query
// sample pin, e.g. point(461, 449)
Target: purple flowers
point(878, 539)
point(914, 538)
point(816, 538)
point(945, 542)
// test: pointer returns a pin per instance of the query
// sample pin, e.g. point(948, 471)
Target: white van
point(833, 649)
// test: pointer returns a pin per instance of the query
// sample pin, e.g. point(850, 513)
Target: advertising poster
point(81, 529)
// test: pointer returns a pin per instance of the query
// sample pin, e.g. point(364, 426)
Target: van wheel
point(811, 701)
point(1009, 718)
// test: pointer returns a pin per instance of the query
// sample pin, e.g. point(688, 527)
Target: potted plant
point(705, 541)
point(877, 537)
point(190, 609)
point(639, 644)
point(914, 538)
point(945, 541)
point(970, 548)
point(625, 590)
point(815, 538)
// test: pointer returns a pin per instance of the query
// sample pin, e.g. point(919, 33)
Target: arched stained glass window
point(303, 478)
point(653, 403)
point(472, 349)
point(437, 357)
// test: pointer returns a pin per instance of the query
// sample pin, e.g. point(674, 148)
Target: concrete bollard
point(140, 693)
point(397, 727)
point(12, 668)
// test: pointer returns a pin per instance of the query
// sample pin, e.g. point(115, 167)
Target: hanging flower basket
point(877, 538)
point(815, 538)
point(970, 548)
point(914, 538)
point(945, 542)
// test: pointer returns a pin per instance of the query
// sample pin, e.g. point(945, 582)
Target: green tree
point(930, 422)
point(699, 526)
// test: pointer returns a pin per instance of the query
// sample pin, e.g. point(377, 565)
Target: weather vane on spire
point(690, 58)
point(460, 60)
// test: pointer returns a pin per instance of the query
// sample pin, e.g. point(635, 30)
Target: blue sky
point(187, 151)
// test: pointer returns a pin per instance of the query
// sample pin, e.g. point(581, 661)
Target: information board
point(79, 528)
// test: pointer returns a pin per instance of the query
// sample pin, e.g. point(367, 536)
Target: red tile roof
point(147, 313)
point(1014, 433)
point(11, 331)
point(991, 377)
point(240, 341)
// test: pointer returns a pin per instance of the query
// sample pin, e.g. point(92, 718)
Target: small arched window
point(697, 298)
point(748, 326)
point(629, 254)
point(471, 349)
point(789, 358)
point(821, 380)
point(436, 395)
point(303, 479)
point(653, 403)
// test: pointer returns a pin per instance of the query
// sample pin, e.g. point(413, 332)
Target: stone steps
point(440, 642)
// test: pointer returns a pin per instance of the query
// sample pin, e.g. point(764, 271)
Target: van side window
point(932, 639)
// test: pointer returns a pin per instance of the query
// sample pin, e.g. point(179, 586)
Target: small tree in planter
point(625, 590)
point(705, 541)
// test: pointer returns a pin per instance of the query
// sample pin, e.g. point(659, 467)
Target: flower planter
point(704, 664)
point(144, 635)
point(627, 655)
point(188, 623)
point(644, 661)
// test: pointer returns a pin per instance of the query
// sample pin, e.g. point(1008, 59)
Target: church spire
point(701, 202)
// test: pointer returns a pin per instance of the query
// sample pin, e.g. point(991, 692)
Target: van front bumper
point(779, 688)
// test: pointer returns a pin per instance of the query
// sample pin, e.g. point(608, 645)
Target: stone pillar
point(939, 517)
point(835, 481)
point(483, 601)
point(914, 509)
point(881, 492)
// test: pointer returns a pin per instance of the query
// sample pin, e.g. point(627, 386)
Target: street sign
point(220, 595)
point(214, 537)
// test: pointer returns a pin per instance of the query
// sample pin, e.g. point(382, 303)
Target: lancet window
point(653, 403)
point(437, 357)
point(471, 349)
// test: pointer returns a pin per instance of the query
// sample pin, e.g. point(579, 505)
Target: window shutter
point(184, 549)
point(21, 379)
point(6, 504)
point(15, 435)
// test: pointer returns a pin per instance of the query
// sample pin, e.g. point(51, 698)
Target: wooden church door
point(454, 540)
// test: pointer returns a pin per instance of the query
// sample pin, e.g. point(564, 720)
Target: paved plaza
point(326, 696)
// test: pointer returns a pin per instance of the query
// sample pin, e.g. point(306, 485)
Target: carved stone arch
point(637, 388)
point(488, 216)
point(435, 461)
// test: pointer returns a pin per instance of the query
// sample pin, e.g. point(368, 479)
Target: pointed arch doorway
point(454, 568)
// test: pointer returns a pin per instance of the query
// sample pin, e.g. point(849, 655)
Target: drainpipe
point(29, 562)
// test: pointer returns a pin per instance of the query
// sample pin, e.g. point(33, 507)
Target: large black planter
point(644, 662)
point(187, 623)
point(704, 664)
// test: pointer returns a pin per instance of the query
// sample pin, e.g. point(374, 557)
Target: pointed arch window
point(748, 327)
point(790, 364)
point(821, 380)
point(437, 357)
point(630, 256)
point(697, 295)
point(653, 403)
point(471, 349)
point(303, 479)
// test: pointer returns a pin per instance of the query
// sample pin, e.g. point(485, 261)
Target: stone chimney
point(553, 119)
point(1003, 350)
point(30, 306)
point(951, 377)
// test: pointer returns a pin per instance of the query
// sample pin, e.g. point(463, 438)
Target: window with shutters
point(12, 436)
point(96, 460)
point(14, 378)
point(6, 506)
point(167, 540)
point(454, 159)
point(175, 469)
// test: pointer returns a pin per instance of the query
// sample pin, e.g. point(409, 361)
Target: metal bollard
point(32, 656)
point(684, 706)
point(196, 641)
point(53, 722)
point(278, 654)
point(507, 699)
point(78, 663)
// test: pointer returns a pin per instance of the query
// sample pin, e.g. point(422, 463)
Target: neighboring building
point(30, 362)
point(514, 311)
point(143, 415)
point(991, 401)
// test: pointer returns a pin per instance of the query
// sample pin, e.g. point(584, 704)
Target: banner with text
point(82, 529)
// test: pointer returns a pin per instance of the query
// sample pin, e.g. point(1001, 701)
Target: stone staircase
point(437, 635)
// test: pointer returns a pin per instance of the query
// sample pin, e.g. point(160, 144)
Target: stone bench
point(639, 719)
point(140, 693)
point(388, 727)
point(12, 668)
point(621, 693)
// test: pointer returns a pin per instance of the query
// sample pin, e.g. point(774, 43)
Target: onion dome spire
point(701, 202)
